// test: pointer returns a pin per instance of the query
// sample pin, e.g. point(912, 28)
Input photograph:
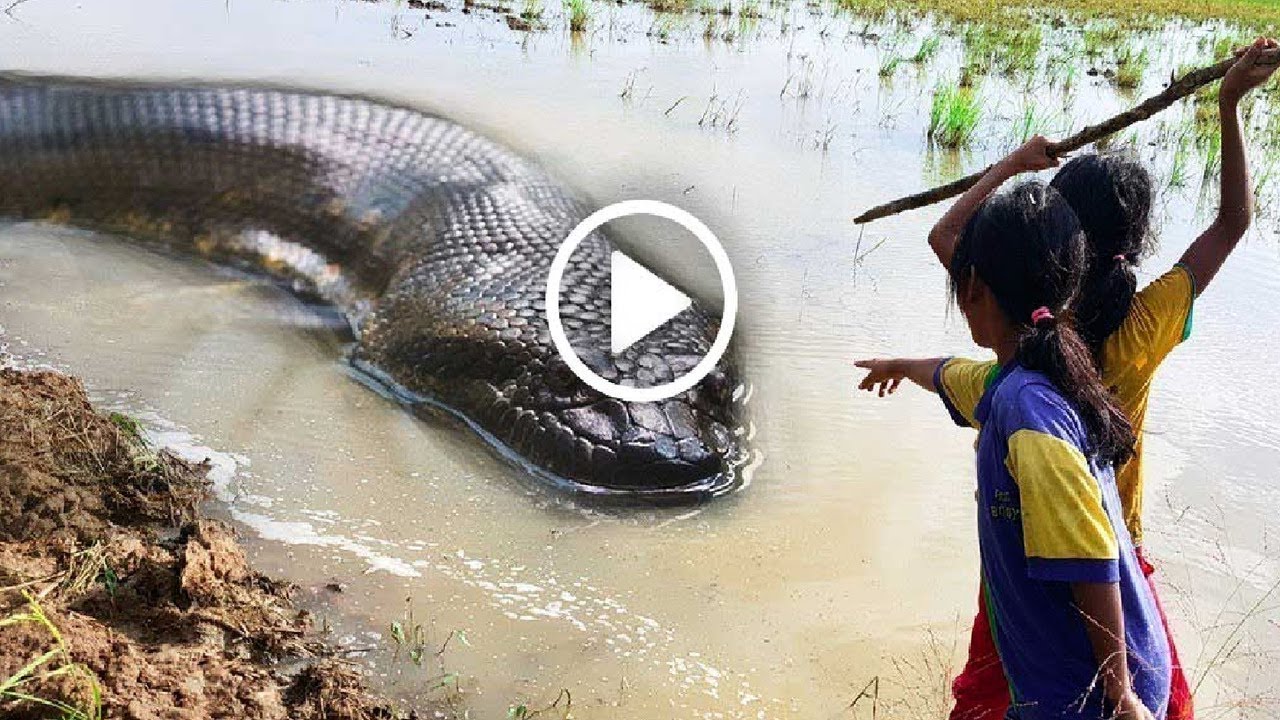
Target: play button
point(640, 302)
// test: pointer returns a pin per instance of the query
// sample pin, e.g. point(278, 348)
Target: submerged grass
point(1131, 66)
point(889, 63)
point(579, 12)
point(1098, 36)
point(1033, 120)
point(953, 116)
point(1011, 51)
point(413, 642)
point(1257, 14)
point(928, 48)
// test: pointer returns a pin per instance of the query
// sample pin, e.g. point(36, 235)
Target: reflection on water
point(850, 556)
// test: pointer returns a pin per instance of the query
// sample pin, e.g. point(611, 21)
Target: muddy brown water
point(850, 555)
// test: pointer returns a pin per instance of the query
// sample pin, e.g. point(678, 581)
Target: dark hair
point(1026, 245)
point(1111, 195)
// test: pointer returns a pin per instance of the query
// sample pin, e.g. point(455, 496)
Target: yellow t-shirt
point(1158, 320)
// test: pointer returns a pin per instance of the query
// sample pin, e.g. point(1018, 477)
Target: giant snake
point(432, 240)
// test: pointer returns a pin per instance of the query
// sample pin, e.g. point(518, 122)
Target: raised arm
point(1031, 156)
point(1208, 252)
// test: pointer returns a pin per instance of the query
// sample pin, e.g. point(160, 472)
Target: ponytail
point(1056, 349)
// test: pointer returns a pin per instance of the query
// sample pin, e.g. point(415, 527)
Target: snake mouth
point(685, 449)
point(635, 448)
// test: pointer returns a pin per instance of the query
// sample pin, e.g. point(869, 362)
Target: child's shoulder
point(1028, 400)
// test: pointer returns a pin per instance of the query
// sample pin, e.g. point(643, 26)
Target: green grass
point(1131, 66)
point(750, 9)
point(523, 711)
point(413, 642)
point(1030, 122)
point(953, 116)
point(670, 6)
point(1178, 169)
point(532, 10)
point(889, 62)
point(1062, 71)
point(992, 47)
point(1021, 49)
point(579, 12)
point(1259, 15)
point(927, 50)
point(1098, 36)
point(1211, 146)
point(1264, 178)
point(55, 663)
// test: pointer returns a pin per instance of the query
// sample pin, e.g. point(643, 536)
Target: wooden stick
point(1177, 90)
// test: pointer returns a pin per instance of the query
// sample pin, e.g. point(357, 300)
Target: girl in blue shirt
point(1075, 624)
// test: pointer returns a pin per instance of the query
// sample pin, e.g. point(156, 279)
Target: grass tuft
point(579, 12)
point(953, 116)
point(1131, 66)
point(927, 50)
point(84, 702)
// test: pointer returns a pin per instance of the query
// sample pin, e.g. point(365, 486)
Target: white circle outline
point(728, 284)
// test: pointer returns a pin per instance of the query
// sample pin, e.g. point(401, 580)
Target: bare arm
point(1032, 156)
point(1104, 623)
point(884, 376)
point(1209, 251)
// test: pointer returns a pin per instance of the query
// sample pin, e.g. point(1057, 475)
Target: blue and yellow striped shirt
point(1049, 515)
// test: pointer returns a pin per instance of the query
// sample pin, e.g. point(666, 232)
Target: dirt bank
point(118, 600)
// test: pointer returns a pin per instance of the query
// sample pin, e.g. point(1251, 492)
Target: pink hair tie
point(1120, 258)
point(1040, 314)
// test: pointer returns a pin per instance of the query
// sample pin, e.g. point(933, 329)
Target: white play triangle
point(639, 302)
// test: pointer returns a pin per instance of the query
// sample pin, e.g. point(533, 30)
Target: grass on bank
point(53, 665)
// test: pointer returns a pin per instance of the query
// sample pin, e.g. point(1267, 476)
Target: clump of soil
point(117, 599)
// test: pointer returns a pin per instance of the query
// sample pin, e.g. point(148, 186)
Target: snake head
point(686, 444)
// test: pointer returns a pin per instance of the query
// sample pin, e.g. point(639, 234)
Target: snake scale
point(434, 241)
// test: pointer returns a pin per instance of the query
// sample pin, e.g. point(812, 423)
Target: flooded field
point(841, 580)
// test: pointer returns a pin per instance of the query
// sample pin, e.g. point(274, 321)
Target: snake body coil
point(434, 241)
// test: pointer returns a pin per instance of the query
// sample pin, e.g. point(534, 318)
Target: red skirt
point(981, 691)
